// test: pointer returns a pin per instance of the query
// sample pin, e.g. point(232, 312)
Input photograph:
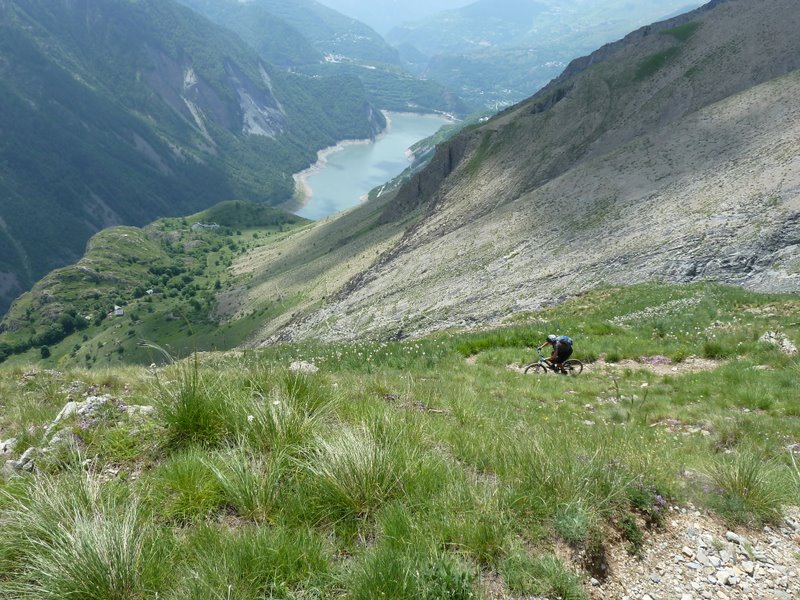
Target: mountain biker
point(562, 350)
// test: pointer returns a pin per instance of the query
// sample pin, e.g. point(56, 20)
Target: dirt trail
point(660, 365)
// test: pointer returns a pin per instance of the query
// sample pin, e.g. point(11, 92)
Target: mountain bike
point(572, 366)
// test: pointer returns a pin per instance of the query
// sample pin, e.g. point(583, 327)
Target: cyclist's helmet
point(552, 338)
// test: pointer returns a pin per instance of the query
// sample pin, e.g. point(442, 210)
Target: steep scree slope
point(672, 154)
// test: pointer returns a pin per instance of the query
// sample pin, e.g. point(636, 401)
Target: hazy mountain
point(273, 38)
point(329, 32)
point(503, 50)
point(119, 112)
point(314, 40)
point(382, 15)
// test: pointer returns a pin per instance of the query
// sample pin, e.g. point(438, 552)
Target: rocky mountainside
point(119, 112)
point(497, 52)
point(669, 155)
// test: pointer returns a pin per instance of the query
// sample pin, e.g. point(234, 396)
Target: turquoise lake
point(344, 176)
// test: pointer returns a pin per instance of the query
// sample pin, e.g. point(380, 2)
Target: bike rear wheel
point(536, 369)
point(573, 366)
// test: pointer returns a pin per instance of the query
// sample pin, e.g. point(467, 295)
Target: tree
point(45, 352)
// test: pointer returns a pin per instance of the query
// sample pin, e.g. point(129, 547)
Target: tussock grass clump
point(551, 471)
point(268, 409)
point(252, 563)
point(352, 474)
point(185, 488)
point(65, 538)
point(194, 408)
point(482, 536)
point(248, 483)
point(285, 417)
point(795, 476)
point(543, 575)
point(406, 575)
point(749, 489)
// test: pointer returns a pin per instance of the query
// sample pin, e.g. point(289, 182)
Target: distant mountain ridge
point(326, 30)
point(314, 40)
point(496, 52)
point(382, 15)
point(120, 112)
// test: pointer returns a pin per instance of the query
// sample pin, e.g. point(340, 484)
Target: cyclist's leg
point(553, 361)
point(561, 353)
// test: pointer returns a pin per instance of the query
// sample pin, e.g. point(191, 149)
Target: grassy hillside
point(167, 278)
point(414, 469)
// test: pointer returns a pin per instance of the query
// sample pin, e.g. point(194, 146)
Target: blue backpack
point(564, 339)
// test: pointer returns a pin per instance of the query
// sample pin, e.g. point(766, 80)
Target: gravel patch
point(697, 557)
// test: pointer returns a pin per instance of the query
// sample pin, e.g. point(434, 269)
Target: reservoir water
point(346, 173)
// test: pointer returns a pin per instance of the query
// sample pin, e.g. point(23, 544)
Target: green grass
point(352, 474)
point(71, 537)
point(402, 470)
point(749, 490)
point(251, 563)
point(655, 62)
point(683, 32)
point(545, 575)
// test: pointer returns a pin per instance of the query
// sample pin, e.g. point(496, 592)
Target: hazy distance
point(382, 15)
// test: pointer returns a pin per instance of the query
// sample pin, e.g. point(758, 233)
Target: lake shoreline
point(302, 190)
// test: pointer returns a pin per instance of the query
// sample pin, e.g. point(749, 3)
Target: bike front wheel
point(536, 369)
point(573, 366)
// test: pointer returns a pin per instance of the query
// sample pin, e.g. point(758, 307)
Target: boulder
point(783, 343)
